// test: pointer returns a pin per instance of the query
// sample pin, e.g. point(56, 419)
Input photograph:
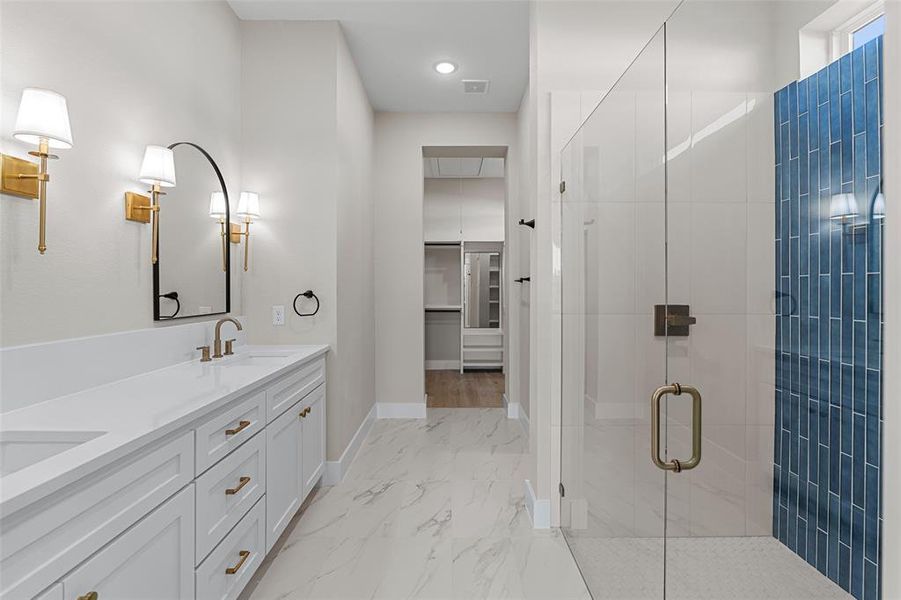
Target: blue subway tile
point(845, 73)
point(835, 167)
point(873, 152)
point(793, 119)
point(871, 532)
point(860, 172)
point(822, 87)
point(870, 581)
point(858, 464)
point(822, 553)
point(844, 566)
point(857, 528)
point(813, 133)
point(872, 65)
point(803, 101)
point(835, 131)
point(833, 558)
point(857, 88)
point(834, 451)
point(847, 141)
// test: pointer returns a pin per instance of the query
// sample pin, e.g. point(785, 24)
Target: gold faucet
point(217, 343)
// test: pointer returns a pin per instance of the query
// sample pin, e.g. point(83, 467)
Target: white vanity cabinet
point(192, 514)
point(151, 560)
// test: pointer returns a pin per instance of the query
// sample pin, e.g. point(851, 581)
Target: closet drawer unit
point(227, 491)
point(46, 540)
point(285, 392)
point(226, 571)
point(481, 340)
point(227, 430)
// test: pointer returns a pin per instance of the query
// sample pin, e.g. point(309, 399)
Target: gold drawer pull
point(305, 412)
point(241, 483)
point(242, 425)
point(232, 570)
point(89, 596)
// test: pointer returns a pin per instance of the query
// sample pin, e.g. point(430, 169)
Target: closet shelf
point(443, 308)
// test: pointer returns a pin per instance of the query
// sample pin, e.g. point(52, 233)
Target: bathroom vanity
point(171, 484)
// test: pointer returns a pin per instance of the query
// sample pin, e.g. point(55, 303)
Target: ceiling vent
point(475, 86)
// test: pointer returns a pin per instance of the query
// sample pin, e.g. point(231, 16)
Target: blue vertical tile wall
point(829, 323)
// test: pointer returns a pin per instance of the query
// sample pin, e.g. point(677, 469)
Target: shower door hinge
point(562, 186)
point(562, 490)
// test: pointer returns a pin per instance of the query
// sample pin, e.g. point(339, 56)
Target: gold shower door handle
point(676, 465)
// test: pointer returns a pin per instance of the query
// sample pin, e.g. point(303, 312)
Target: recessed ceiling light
point(445, 68)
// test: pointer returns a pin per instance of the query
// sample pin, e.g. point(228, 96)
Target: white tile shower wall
point(37, 372)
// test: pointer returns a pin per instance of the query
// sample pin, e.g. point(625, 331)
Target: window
point(868, 32)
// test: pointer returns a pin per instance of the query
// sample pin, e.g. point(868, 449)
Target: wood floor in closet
point(475, 389)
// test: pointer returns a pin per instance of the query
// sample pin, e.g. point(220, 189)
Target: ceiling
point(466, 168)
point(395, 45)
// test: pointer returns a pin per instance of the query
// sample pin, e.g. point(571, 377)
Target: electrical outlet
point(278, 315)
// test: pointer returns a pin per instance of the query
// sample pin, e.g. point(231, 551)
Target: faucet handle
point(205, 353)
point(228, 347)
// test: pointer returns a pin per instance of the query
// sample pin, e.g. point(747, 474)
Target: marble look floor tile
point(489, 509)
point(352, 509)
point(486, 466)
point(429, 509)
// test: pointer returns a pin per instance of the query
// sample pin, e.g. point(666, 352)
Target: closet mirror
point(482, 290)
point(191, 276)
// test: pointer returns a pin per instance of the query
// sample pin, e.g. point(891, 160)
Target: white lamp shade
point(843, 206)
point(43, 114)
point(249, 205)
point(217, 205)
point(879, 206)
point(158, 166)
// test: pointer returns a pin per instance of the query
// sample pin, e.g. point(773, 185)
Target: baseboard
point(523, 418)
point(539, 510)
point(442, 365)
point(512, 407)
point(401, 410)
point(335, 469)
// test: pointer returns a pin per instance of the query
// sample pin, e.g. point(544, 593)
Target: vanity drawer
point(47, 539)
point(227, 491)
point(244, 548)
point(284, 393)
point(224, 432)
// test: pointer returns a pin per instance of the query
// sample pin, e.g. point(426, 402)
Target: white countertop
point(134, 412)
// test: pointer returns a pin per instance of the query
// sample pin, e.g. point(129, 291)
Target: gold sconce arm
point(146, 209)
point(29, 180)
point(246, 241)
point(236, 235)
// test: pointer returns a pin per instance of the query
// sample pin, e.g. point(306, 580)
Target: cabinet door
point(313, 439)
point(152, 560)
point(284, 467)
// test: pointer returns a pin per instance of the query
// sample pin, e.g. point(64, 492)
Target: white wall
point(891, 454)
point(306, 147)
point(354, 354)
point(126, 87)
point(398, 184)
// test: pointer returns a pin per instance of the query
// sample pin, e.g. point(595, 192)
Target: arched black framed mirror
point(192, 276)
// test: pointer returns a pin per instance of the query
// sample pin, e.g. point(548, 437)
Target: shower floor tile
point(714, 568)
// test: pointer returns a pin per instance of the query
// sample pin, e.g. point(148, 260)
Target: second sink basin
point(20, 449)
point(256, 358)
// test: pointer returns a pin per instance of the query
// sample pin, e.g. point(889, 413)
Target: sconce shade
point(249, 205)
point(879, 206)
point(158, 167)
point(43, 114)
point(217, 205)
point(843, 206)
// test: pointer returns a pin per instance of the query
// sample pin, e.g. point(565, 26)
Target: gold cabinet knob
point(89, 596)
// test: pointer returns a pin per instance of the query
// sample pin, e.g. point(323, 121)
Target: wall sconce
point(218, 211)
point(843, 207)
point(42, 120)
point(248, 210)
point(158, 171)
point(879, 207)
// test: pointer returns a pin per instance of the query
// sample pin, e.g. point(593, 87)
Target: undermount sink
point(257, 358)
point(20, 449)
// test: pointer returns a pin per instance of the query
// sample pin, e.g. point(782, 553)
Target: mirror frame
point(228, 264)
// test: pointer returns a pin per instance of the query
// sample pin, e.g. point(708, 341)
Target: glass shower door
point(613, 273)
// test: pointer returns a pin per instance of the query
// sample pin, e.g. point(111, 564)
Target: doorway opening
point(464, 197)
